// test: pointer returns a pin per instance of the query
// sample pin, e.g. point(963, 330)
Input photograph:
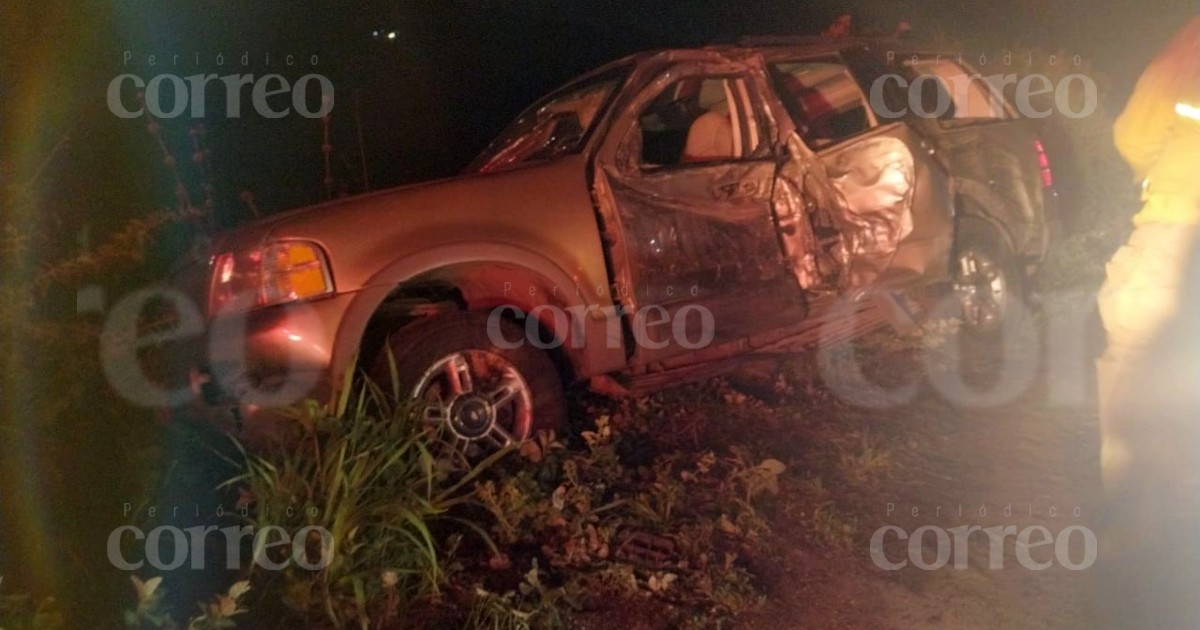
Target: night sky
point(454, 74)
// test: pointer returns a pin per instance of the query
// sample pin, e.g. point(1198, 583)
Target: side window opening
point(825, 102)
point(700, 119)
point(954, 93)
point(556, 125)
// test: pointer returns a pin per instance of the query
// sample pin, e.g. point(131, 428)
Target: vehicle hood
point(536, 208)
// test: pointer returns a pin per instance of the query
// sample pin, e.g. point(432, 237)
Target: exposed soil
point(1036, 455)
point(1028, 458)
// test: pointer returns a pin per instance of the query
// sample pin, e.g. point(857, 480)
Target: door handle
point(788, 223)
point(736, 190)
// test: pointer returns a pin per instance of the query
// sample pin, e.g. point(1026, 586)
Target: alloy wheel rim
point(476, 399)
point(982, 290)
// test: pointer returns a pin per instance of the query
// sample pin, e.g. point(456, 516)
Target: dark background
point(431, 98)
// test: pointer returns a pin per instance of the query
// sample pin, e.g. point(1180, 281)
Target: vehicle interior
point(967, 96)
point(823, 99)
point(692, 121)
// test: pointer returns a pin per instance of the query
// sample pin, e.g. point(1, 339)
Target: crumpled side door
point(874, 211)
point(694, 236)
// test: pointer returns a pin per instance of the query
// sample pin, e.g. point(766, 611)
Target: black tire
point(420, 345)
point(981, 248)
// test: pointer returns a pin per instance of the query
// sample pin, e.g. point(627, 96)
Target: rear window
point(953, 92)
point(824, 100)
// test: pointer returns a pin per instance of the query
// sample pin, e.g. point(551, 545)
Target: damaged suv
point(641, 225)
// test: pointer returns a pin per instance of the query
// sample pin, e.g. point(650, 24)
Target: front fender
point(490, 275)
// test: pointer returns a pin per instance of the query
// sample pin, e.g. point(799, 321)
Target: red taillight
point(1044, 164)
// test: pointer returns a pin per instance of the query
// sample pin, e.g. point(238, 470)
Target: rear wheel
point(478, 396)
point(987, 280)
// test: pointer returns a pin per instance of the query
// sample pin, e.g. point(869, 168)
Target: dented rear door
point(860, 203)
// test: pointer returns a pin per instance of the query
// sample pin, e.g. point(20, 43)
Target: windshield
point(557, 125)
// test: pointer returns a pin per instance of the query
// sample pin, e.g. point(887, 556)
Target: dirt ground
point(938, 460)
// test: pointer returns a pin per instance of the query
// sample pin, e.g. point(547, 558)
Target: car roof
point(772, 46)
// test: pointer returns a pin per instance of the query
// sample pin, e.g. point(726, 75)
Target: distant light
point(374, 33)
point(391, 34)
point(1187, 111)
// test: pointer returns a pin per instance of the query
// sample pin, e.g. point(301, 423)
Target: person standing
point(1149, 555)
point(1158, 134)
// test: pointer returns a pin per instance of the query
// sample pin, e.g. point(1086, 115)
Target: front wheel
point(987, 280)
point(479, 396)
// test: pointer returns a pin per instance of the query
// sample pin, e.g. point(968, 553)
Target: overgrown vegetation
point(151, 613)
point(368, 473)
point(71, 449)
point(516, 540)
point(23, 612)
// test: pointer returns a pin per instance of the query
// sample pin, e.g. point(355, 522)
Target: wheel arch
point(972, 206)
point(477, 277)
